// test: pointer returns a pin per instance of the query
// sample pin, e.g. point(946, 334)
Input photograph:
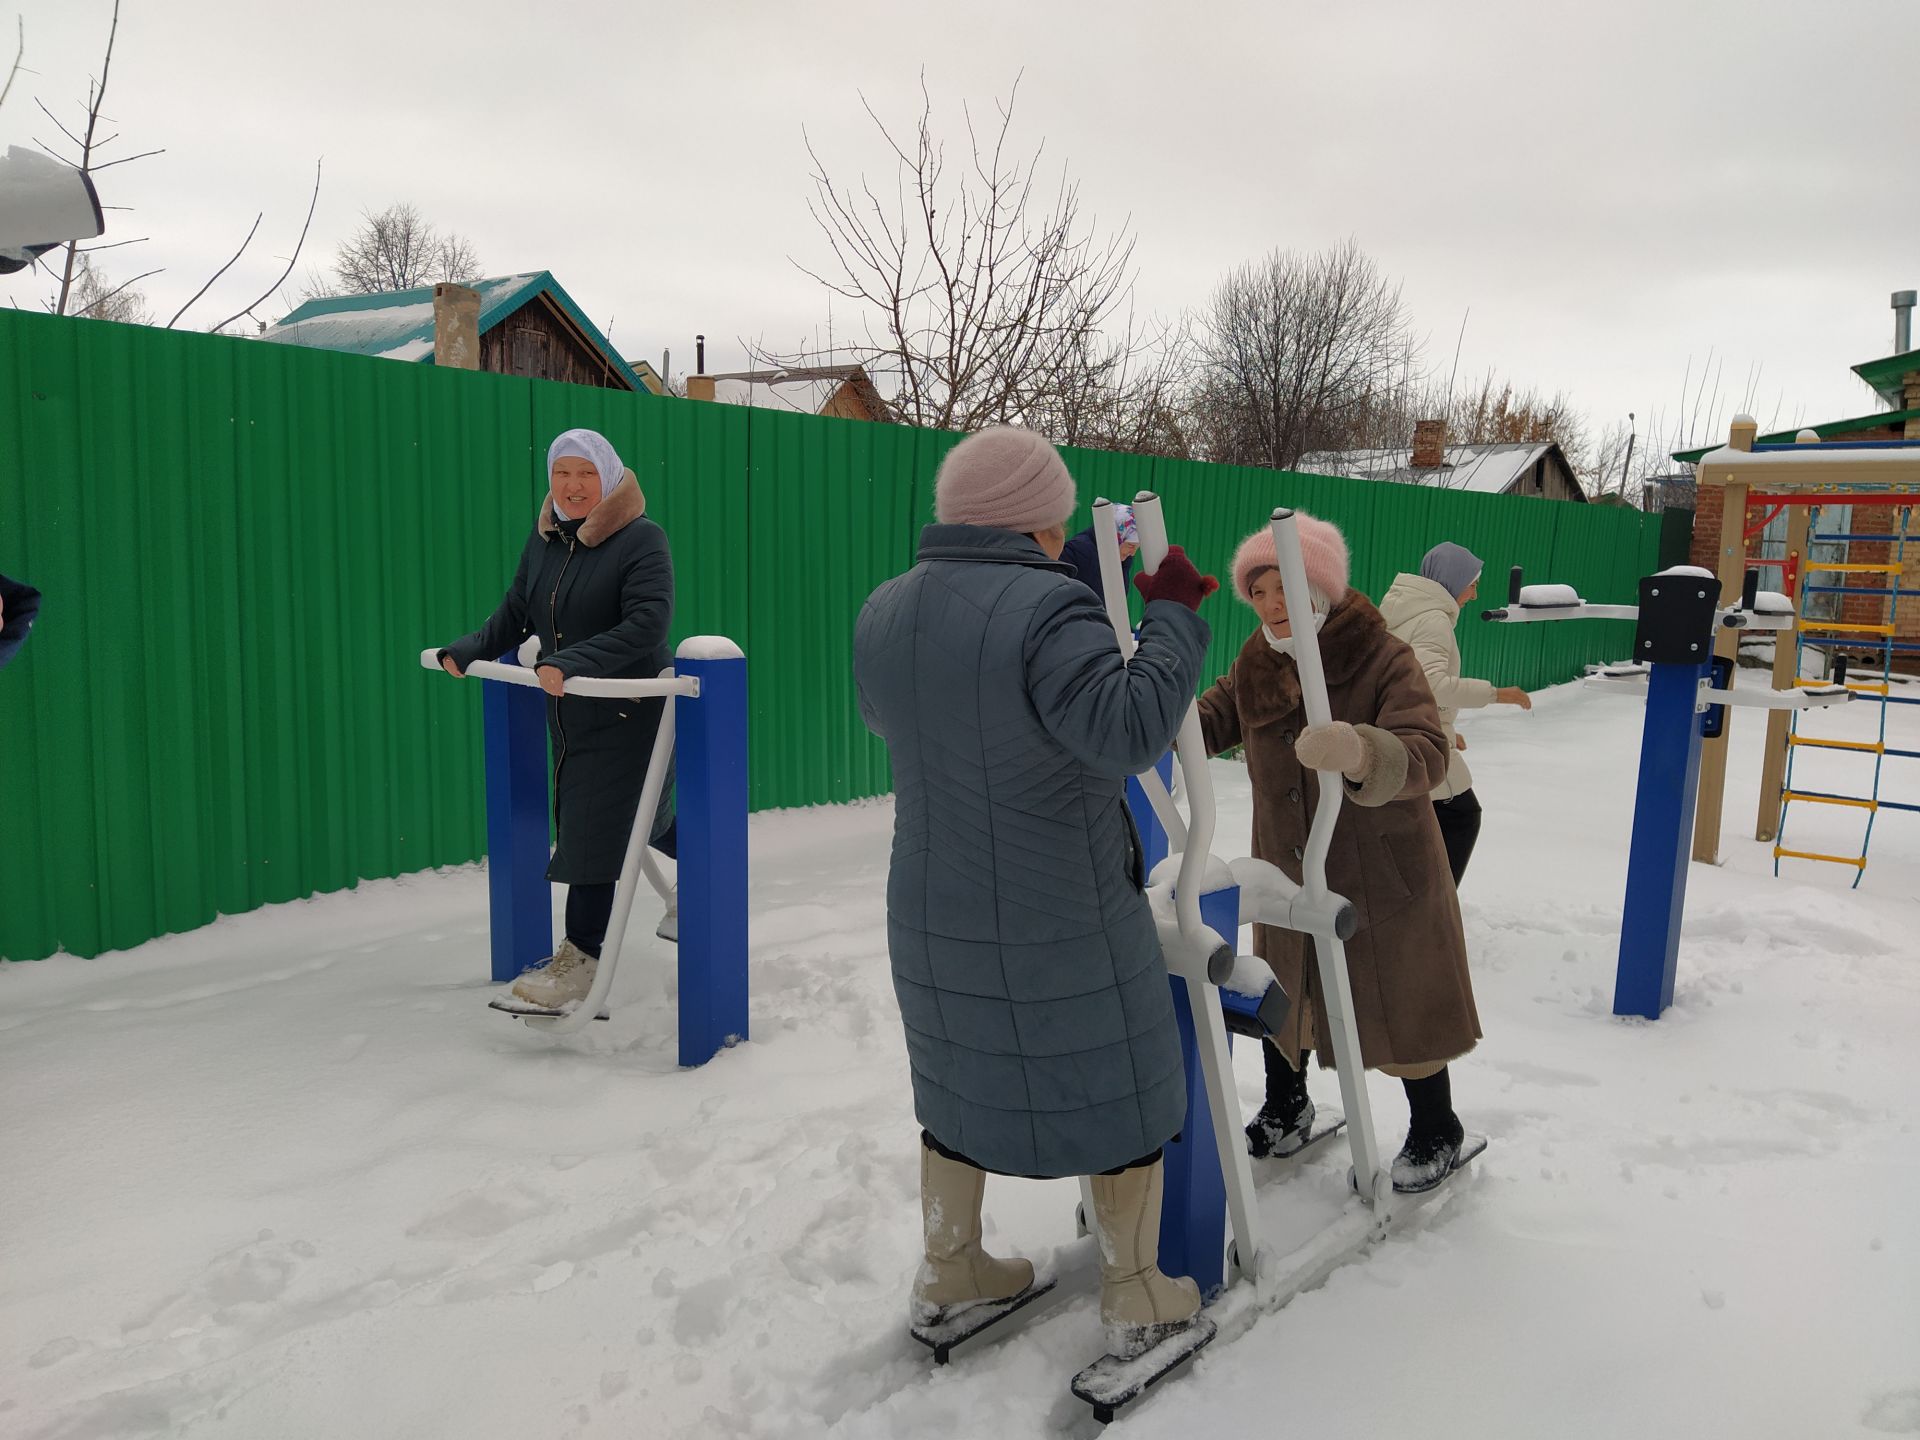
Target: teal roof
point(398, 324)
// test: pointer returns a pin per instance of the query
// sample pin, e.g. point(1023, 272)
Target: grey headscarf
point(587, 445)
point(1452, 567)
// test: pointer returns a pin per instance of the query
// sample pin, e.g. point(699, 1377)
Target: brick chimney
point(456, 327)
point(700, 384)
point(1429, 444)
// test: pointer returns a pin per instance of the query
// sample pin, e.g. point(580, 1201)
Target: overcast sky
point(1603, 191)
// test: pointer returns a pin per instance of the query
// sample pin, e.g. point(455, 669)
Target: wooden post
point(1786, 670)
point(1732, 570)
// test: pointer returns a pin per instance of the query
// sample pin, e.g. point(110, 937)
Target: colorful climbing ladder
point(1831, 635)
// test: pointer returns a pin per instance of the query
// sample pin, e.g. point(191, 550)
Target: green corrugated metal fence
point(244, 547)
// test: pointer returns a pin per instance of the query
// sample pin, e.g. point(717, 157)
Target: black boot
point(1282, 1125)
point(1433, 1136)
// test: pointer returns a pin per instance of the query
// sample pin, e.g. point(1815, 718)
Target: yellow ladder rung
point(1780, 854)
point(1837, 628)
point(1831, 800)
point(1836, 567)
point(1880, 689)
point(1872, 747)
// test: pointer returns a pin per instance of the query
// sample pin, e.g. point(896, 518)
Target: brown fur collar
point(1266, 683)
point(612, 515)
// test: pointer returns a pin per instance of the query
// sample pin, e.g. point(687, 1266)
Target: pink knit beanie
point(1006, 479)
point(1322, 547)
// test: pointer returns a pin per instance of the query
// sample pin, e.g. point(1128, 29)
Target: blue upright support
point(1153, 835)
point(1662, 841)
point(711, 781)
point(1193, 1217)
point(519, 900)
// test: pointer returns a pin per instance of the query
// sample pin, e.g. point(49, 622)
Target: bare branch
point(102, 301)
point(113, 245)
point(292, 260)
point(218, 273)
point(19, 54)
point(128, 160)
point(57, 122)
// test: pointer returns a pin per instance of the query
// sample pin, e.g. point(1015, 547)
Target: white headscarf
point(588, 445)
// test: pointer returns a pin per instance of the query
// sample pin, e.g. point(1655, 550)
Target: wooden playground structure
point(1805, 479)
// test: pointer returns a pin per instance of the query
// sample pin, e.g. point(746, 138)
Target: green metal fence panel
point(244, 548)
point(835, 507)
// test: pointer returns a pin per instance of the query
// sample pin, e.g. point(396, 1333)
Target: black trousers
point(590, 907)
point(1459, 827)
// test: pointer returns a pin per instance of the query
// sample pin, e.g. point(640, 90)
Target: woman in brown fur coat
point(1412, 996)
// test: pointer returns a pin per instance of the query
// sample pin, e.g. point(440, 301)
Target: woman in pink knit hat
point(1413, 998)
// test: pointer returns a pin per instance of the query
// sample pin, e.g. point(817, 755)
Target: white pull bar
point(1374, 1183)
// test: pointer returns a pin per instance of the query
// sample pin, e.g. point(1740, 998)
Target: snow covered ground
point(288, 1177)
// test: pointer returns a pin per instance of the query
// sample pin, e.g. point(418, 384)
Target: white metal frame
point(1204, 959)
point(639, 859)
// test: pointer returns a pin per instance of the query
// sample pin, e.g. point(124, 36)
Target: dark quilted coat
point(1039, 1021)
point(599, 594)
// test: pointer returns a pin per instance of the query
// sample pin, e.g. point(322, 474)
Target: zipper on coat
point(559, 715)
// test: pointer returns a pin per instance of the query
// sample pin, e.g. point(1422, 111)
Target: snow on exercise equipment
point(1197, 903)
point(1687, 691)
point(707, 720)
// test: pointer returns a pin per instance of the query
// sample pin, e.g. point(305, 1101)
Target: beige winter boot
point(564, 979)
point(1139, 1306)
point(957, 1273)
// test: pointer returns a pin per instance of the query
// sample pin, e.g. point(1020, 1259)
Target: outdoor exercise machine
point(705, 719)
point(1688, 690)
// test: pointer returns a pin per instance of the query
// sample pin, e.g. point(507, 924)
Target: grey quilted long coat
point(1039, 1021)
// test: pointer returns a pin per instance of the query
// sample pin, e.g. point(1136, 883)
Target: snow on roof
point(398, 324)
point(1483, 469)
point(806, 397)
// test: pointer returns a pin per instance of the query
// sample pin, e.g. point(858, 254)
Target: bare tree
point(1126, 391)
point(1297, 349)
point(95, 297)
point(397, 249)
point(81, 288)
point(979, 285)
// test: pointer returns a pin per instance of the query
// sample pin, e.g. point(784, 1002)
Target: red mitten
point(1176, 580)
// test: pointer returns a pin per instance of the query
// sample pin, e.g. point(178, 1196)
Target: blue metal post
point(1662, 841)
point(711, 784)
point(1153, 836)
point(1193, 1217)
point(519, 900)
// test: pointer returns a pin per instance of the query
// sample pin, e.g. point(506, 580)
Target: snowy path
point(288, 1177)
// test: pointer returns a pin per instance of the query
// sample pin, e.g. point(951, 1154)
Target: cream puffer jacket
point(1422, 613)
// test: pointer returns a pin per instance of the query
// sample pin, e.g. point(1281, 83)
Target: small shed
point(1537, 468)
point(845, 391)
point(526, 324)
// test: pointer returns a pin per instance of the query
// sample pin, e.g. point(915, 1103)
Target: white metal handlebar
point(1316, 904)
point(589, 687)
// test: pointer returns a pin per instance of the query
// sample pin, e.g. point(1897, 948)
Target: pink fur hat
point(1322, 546)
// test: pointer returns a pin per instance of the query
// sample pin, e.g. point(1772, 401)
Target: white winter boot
point(669, 927)
point(957, 1273)
point(1139, 1306)
point(564, 980)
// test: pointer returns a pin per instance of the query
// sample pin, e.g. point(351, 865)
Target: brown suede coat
point(1412, 995)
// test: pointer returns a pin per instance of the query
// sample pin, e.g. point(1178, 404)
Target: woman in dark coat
point(595, 583)
point(1081, 553)
point(1040, 1026)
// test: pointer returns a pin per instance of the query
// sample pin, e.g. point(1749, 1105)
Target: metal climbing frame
point(1833, 635)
